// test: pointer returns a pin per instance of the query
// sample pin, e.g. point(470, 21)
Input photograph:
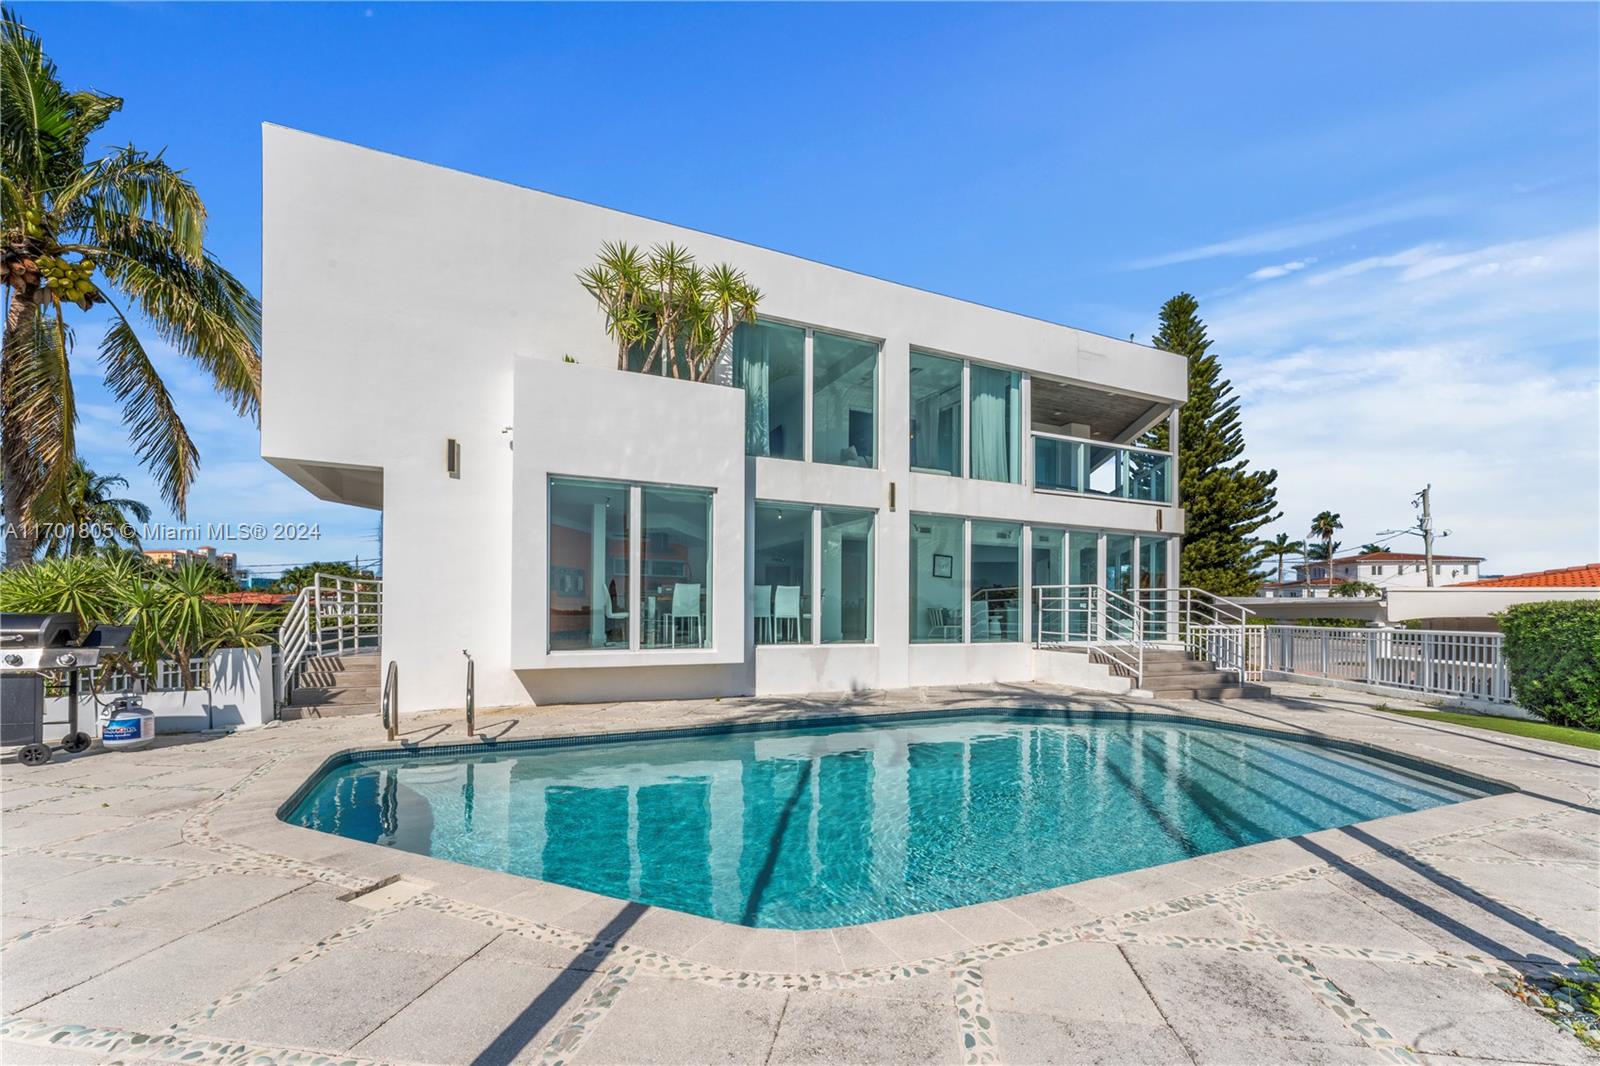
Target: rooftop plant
point(662, 304)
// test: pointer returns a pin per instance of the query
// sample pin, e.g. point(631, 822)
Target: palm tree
point(1279, 547)
point(86, 516)
point(1324, 526)
point(1369, 549)
point(666, 306)
point(122, 229)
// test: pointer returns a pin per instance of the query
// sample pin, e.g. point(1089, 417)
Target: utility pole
point(1425, 526)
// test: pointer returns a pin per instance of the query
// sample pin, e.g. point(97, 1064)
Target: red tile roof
point(251, 599)
point(1586, 576)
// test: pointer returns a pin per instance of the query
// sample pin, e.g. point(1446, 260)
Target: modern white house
point(1383, 569)
point(869, 499)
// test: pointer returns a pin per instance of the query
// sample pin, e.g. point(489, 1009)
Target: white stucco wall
point(238, 695)
point(406, 304)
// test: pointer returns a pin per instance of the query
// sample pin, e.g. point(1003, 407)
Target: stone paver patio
point(155, 909)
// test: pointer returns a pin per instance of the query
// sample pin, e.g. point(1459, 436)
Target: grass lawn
point(1578, 738)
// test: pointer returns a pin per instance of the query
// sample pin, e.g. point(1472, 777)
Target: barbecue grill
point(32, 648)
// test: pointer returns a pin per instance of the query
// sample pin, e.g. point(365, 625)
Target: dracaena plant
point(89, 233)
point(680, 315)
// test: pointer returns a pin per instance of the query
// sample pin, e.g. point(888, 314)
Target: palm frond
point(158, 434)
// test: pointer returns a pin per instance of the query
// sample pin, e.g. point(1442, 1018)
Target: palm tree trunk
point(21, 538)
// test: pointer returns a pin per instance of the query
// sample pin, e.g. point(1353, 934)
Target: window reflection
point(844, 400)
point(588, 589)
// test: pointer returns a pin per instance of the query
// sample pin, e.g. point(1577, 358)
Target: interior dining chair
point(761, 612)
point(686, 612)
point(786, 613)
point(613, 615)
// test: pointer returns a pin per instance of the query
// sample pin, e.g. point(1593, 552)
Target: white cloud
point(1266, 273)
point(1474, 369)
point(1301, 232)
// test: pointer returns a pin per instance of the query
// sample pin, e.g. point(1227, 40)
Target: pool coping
point(879, 950)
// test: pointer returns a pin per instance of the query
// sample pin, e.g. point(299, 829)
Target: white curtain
point(995, 397)
point(925, 446)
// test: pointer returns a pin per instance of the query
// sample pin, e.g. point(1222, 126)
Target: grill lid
point(37, 630)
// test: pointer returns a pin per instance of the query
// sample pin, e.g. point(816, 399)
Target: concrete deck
point(156, 910)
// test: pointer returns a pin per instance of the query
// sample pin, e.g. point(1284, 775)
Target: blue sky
point(1388, 213)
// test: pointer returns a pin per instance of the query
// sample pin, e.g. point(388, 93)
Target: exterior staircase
point(335, 685)
point(1177, 674)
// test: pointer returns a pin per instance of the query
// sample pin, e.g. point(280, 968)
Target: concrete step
point(1229, 691)
point(331, 710)
point(1171, 667)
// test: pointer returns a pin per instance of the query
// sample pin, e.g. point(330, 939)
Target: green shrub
point(1553, 657)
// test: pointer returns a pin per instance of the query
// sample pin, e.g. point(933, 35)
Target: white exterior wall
point(239, 696)
point(407, 304)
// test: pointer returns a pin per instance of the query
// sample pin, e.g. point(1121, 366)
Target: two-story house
point(871, 500)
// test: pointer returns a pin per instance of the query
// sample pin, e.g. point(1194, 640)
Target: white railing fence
point(1121, 629)
point(1463, 665)
point(333, 615)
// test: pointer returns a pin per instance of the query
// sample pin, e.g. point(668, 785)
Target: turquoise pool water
point(828, 825)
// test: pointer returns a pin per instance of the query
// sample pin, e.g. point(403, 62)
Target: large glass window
point(588, 591)
point(996, 581)
point(1153, 596)
point(844, 400)
point(995, 435)
point(769, 364)
point(675, 568)
point(938, 572)
point(935, 414)
point(780, 594)
point(1119, 580)
point(847, 576)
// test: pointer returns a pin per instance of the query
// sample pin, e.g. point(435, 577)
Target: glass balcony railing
point(1065, 464)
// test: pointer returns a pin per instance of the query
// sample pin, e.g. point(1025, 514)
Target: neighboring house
point(867, 507)
point(1383, 569)
point(1473, 604)
point(228, 562)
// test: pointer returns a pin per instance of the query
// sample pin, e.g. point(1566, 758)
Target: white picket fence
point(1461, 665)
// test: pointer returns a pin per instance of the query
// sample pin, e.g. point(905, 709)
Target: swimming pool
point(842, 822)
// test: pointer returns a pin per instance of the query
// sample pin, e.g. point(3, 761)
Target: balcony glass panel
point(769, 364)
point(588, 591)
point(675, 568)
point(996, 582)
point(780, 596)
point(847, 576)
point(1101, 469)
point(995, 435)
point(935, 414)
point(938, 565)
point(844, 400)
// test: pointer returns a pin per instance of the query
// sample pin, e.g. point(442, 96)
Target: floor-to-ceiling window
point(769, 364)
point(1153, 583)
point(847, 576)
point(935, 414)
point(844, 400)
point(588, 590)
point(996, 582)
point(675, 568)
point(938, 574)
point(995, 433)
point(780, 595)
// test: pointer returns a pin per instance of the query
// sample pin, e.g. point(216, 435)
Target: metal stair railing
point(1217, 629)
point(1108, 624)
point(333, 615)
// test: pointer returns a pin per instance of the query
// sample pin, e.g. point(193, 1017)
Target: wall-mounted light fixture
point(452, 458)
point(891, 496)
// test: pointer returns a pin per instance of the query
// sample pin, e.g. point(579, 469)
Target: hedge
point(1553, 656)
